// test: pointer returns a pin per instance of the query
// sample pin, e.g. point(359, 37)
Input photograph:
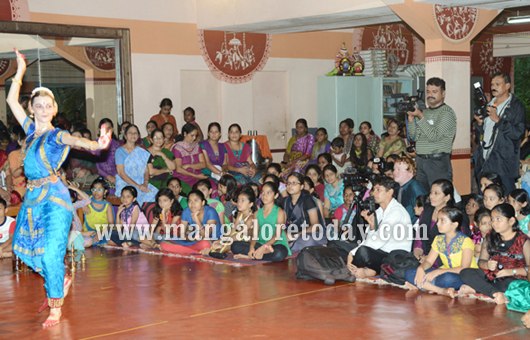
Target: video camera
point(409, 103)
point(359, 181)
point(481, 101)
point(383, 165)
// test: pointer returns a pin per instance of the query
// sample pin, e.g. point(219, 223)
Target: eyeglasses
point(293, 183)
point(97, 190)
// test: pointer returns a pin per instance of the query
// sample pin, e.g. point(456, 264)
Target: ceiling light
point(518, 19)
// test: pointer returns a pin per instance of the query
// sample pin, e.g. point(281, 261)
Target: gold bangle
point(17, 81)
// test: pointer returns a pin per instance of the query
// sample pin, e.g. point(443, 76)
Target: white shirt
point(4, 229)
point(394, 232)
point(489, 124)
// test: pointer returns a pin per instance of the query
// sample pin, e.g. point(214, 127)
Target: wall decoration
point(396, 39)
point(456, 23)
point(103, 58)
point(234, 57)
point(484, 64)
point(4, 66)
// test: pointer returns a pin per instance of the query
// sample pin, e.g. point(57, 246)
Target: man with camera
point(500, 132)
point(389, 229)
point(433, 130)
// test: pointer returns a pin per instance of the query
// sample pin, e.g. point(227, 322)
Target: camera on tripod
point(481, 101)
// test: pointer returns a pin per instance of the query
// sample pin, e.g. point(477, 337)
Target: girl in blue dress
point(45, 217)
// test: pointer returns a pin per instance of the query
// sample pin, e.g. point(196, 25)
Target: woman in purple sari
point(106, 159)
point(214, 152)
point(189, 159)
point(299, 148)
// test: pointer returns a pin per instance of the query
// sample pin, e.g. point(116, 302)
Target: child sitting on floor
point(454, 249)
point(271, 243)
point(7, 229)
point(481, 229)
point(99, 212)
point(205, 187)
point(167, 212)
point(519, 201)
point(130, 220)
point(504, 257)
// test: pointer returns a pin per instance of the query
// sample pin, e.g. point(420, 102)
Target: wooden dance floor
point(140, 296)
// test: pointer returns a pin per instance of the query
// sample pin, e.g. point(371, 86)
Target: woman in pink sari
point(240, 164)
point(189, 159)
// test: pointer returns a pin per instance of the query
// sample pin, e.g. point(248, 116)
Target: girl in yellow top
point(98, 213)
point(455, 251)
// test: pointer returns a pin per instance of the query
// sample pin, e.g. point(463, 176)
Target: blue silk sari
point(45, 217)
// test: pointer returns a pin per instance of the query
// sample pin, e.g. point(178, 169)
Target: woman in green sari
point(161, 164)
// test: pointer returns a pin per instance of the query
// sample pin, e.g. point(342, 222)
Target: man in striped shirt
point(434, 131)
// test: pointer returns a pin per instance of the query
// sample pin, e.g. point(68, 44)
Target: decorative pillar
point(448, 32)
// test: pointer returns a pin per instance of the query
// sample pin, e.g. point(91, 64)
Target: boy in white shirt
point(7, 228)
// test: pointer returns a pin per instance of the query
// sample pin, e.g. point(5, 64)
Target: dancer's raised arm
point(14, 91)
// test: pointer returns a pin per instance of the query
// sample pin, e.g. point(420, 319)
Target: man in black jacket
point(501, 133)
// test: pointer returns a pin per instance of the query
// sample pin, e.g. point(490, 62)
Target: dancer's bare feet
point(53, 319)
point(67, 284)
point(500, 298)
point(66, 289)
point(465, 290)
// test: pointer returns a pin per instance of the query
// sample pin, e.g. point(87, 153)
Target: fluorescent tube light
point(518, 20)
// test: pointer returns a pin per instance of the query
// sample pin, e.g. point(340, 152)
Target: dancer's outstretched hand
point(104, 138)
point(21, 61)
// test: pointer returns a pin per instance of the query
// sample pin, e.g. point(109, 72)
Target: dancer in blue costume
point(45, 217)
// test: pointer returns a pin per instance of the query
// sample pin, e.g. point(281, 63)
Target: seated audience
point(167, 212)
point(7, 229)
point(333, 190)
point(99, 212)
point(299, 148)
point(441, 196)
point(493, 195)
point(482, 229)
point(392, 143)
point(314, 172)
point(228, 191)
point(175, 185)
point(131, 164)
point(381, 238)
point(214, 152)
point(164, 116)
point(322, 145)
point(371, 138)
point(189, 117)
point(302, 214)
point(271, 244)
point(240, 164)
point(409, 188)
point(340, 158)
point(504, 257)
point(189, 159)
point(130, 220)
point(205, 187)
point(455, 251)
point(199, 221)
point(161, 164)
point(518, 199)
point(360, 154)
point(147, 141)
